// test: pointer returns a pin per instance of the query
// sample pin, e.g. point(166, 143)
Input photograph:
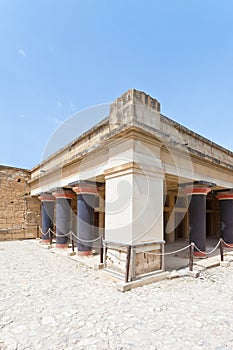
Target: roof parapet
point(133, 108)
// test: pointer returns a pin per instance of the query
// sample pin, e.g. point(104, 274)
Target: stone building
point(19, 212)
point(138, 179)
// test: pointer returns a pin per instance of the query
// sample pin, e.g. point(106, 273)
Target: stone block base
point(145, 258)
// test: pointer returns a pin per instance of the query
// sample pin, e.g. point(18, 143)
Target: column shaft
point(86, 205)
point(47, 216)
point(197, 218)
point(63, 217)
point(86, 201)
point(226, 217)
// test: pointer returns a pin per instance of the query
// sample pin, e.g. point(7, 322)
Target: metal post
point(72, 241)
point(191, 254)
point(105, 255)
point(50, 236)
point(221, 249)
point(127, 263)
point(101, 251)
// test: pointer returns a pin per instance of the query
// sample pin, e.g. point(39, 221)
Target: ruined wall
point(19, 213)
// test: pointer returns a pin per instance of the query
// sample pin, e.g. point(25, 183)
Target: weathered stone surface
point(19, 213)
point(49, 301)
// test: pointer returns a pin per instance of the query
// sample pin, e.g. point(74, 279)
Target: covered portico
point(150, 179)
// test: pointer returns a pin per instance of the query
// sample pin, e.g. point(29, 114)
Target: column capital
point(46, 197)
point(224, 196)
point(60, 193)
point(197, 190)
point(85, 190)
point(85, 187)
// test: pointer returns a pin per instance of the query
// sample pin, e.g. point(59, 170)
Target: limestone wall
point(19, 213)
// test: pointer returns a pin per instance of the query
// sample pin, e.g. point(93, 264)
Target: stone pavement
point(48, 301)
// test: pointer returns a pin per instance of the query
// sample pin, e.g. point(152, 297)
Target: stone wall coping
point(8, 167)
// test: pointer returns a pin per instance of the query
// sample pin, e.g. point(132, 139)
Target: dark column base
point(45, 241)
point(228, 245)
point(61, 246)
point(84, 253)
point(197, 254)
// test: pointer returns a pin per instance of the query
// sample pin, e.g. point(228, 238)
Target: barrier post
point(101, 251)
point(50, 237)
point(127, 263)
point(221, 249)
point(72, 240)
point(105, 255)
point(191, 254)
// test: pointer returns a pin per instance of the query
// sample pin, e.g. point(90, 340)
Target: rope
point(208, 253)
point(230, 246)
point(84, 240)
point(62, 235)
point(70, 233)
point(46, 233)
point(52, 231)
point(168, 253)
point(179, 250)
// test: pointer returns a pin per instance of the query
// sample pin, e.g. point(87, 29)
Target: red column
point(63, 216)
point(86, 195)
point(226, 216)
point(47, 215)
point(197, 217)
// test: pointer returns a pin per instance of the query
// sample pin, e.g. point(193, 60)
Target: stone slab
point(224, 263)
point(124, 287)
point(207, 263)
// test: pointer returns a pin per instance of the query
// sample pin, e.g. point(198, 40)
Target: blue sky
point(59, 57)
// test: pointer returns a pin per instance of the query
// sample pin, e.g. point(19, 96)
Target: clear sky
point(61, 56)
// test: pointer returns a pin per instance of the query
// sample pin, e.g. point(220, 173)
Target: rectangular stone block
point(144, 259)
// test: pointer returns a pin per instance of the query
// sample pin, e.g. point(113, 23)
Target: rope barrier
point(52, 231)
point(188, 246)
point(168, 253)
point(210, 252)
point(70, 233)
point(44, 234)
point(226, 244)
point(62, 235)
point(86, 241)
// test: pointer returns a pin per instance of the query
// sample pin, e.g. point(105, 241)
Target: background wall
point(19, 213)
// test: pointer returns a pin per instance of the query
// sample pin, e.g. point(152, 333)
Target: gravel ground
point(52, 302)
